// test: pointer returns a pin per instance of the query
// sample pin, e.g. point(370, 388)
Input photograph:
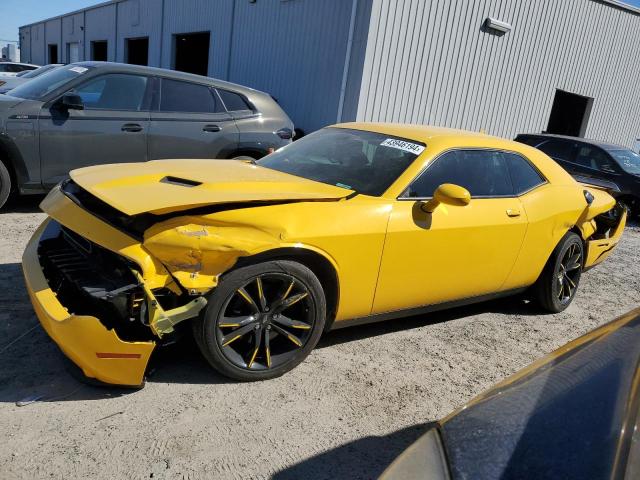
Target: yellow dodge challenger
point(355, 223)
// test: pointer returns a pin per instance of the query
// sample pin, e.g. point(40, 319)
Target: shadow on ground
point(31, 365)
point(25, 204)
point(364, 458)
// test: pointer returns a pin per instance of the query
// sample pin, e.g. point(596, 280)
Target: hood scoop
point(181, 182)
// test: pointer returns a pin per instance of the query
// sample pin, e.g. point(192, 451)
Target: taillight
point(285, 133)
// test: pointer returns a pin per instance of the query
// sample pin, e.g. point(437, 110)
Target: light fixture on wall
point(495, 24)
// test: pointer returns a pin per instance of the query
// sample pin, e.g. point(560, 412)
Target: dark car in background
point(594, 160)
point(572, 414)
point(94, 113)
point(9, 83)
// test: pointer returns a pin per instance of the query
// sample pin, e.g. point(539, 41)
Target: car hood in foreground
point(165, 186)
point(570, 415)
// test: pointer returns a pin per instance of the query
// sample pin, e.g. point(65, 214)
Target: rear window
point(188, 97)
point(523, 176)
point(233, 101)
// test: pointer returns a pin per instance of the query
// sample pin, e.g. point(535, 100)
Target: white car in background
point(9, 83)
point(11, 69)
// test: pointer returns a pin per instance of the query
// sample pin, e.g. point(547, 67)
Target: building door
point(53, 53)
point(73, 52)
point(137, 51)
point(191, 53)
point(569, 114)
point(99, 49)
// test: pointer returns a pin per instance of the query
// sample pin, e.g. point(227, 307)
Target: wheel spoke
point(569, 281)
point(267, 348)
point(243, 293)
point(293, 300)
point(258, 342)
point(234, 322)
point(290, 336)
point(261, 297)
point(288, 291)
point(574, 262)
point(561, 288)
point(236, 334)
point(288, 322)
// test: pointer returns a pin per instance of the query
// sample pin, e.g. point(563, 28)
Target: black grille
point(90, 280)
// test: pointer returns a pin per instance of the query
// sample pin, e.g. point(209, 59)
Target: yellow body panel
point(97, 351)
point(387, 252)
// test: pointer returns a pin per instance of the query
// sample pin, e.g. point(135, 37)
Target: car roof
point(164, 72)
point(20, 63)
point(597, 143)
point(422, 133)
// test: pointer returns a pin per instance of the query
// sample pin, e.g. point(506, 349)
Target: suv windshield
point(366, 162)
point(628, 160)
point(47, 82)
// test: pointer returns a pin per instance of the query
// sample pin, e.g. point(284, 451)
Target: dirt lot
point(360, 398)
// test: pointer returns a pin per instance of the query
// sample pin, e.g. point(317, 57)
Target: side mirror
point(449, 194)
point(71, 101)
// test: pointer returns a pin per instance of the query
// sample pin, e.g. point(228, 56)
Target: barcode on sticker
point(414, 148)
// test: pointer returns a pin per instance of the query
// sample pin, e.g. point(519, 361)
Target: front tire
point(262, 320)
point(5, 184)
point(558, 283)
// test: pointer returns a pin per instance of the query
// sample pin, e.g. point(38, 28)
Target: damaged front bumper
point(98, 351)
point(604, 240)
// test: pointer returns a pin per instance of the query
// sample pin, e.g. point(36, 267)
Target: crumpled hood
point(164, 186)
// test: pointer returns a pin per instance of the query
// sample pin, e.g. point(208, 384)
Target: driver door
point(455, 252)
point(112, 127)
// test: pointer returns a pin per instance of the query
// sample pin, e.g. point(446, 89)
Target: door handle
point(513, 212)
point(131, 127)
point(211, 128)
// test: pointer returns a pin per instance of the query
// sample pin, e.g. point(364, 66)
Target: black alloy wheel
point(262, 320)
point(556, 288)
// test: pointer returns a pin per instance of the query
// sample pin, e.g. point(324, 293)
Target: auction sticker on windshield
point(402, 145)
point(78, 69)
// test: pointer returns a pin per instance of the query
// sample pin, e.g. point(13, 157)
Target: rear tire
point(558, 283)
point(262, 320)
point(5, 184)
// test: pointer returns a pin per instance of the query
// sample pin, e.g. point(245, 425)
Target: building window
point(191, 52)
point(99, 50)
point(137, 51)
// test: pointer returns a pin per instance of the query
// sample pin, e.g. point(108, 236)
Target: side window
point(4, 68)
point(483, 172)
point(233, 101)
point(177, 96)
point(523, 176)
point(594, 158)
point(114, 92)
point(559, 149)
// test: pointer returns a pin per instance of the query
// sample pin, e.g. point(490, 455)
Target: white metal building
point(502, 66)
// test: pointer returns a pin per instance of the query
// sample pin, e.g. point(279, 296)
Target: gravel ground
point(361, 397)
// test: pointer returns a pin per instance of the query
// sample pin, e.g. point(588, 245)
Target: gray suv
point(93, 113)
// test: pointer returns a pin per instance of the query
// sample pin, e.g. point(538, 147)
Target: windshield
point(48, 82)
point(366, 162)
point(628, 160)
point(37, 72)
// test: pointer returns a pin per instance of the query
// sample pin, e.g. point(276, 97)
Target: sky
point(21, 12)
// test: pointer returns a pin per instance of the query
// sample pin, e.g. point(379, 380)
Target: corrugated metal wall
point(430, 62)
point(72, 32)
point(100, 24)
point(294, 50)
point(140, 18)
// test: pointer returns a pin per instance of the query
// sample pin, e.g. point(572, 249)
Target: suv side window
point(594, 158)
point(523, 175)
point(559, 149)
point(233, 101)
point(483, 172)
point(178, 96)
point(4, 67)
point(114, 91)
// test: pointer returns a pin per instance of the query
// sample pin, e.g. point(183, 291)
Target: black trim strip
point(204, 120)
point(381, 317)
point(115, 119)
